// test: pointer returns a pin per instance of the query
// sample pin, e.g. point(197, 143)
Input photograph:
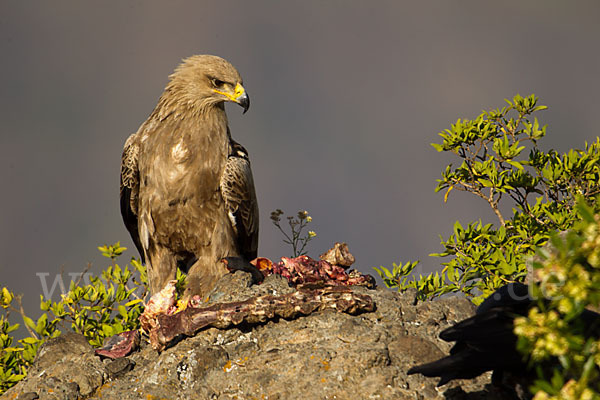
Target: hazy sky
point(346, 98)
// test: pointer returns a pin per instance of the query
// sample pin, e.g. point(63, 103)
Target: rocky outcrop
point(325, 355)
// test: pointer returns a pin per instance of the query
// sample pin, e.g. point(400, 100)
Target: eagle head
point(204, 81)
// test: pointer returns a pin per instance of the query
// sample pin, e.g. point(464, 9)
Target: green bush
point(568, 273)
point(550, 193)
point(105, 306)
point(500, 162)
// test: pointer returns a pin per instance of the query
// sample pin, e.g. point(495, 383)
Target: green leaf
point(42, 322)
point(585, 211)
point(438, 147)
point(122, 311)
point(506, 268)
point(515, 164)
point(29, 322)
point(12, 328)
point(485, 182)
point(29, 340)
point(137, 301)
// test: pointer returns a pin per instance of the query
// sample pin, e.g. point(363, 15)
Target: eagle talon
point(239, 264)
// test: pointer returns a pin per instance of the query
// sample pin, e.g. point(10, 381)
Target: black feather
point(486, 341)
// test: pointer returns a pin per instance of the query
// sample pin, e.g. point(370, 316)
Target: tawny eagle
point(187, 193)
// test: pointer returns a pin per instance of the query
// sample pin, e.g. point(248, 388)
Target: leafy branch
point(542, 188)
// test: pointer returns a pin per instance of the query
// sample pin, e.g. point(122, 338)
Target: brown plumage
point(187, 194)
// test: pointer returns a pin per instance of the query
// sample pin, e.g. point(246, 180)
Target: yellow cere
point(239, 91)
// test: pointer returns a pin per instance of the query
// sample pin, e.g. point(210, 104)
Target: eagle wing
point(237, 188)
point(129, 189)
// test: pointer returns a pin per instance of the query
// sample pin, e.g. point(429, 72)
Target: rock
point(119, 367)
point(324, 355)
point(338, 255)
point(28, 396)
point(65, 368)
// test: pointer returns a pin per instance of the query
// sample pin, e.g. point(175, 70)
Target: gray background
point(346, 97)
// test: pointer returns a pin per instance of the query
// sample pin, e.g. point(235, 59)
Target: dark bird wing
point(129, 189)
point(237, 188)
point(485, 341)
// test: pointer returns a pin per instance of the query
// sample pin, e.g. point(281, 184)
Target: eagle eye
point(217, 82)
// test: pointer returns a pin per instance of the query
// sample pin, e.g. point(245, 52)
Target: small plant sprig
point(297, 240)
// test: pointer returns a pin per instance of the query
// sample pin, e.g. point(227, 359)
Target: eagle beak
point(239, 96)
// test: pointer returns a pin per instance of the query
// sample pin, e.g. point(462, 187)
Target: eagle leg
point(202, 277)
point(162, 267)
